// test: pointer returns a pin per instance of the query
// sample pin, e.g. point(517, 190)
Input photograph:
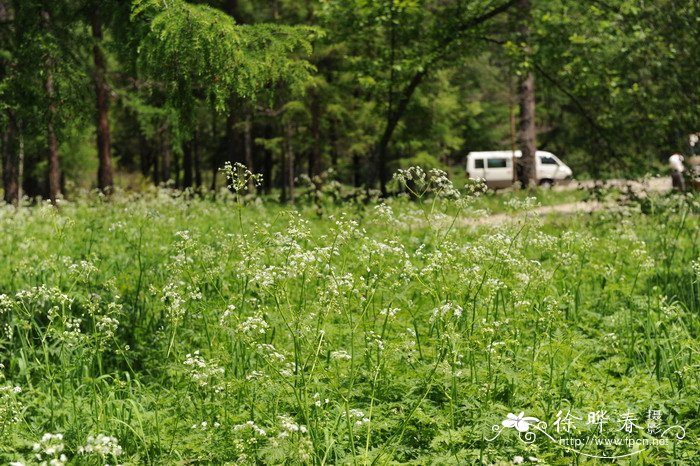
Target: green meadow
point(168, 328)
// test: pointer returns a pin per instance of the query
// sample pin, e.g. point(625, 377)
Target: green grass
point(225, 331)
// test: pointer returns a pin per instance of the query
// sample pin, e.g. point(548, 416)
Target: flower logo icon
point(520, 422)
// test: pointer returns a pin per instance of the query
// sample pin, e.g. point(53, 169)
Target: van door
point(478, 170)
point(547, 167)
point(498, 172)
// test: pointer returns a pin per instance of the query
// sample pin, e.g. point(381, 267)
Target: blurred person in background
point(676, 163)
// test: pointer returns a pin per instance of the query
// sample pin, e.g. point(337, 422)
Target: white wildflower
point(288, 426)
point(252, 426)
point(253, 325)
point(102, 445)
point(202, 372)
point(340, 355)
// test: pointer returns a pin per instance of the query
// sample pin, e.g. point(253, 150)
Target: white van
point(496, 168)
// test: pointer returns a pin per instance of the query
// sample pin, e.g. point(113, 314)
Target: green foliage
point(198, 51)
point(619, 72)
point(615, 88)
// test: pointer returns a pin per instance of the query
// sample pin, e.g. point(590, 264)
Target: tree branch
point(417, 78)
point(575, 100)
point(582, 109)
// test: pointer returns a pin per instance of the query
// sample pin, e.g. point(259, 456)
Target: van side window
point(548, 161)
point(497, 163)
point(478, 163)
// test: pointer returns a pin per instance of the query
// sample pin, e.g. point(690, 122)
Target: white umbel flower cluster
point(102, 445)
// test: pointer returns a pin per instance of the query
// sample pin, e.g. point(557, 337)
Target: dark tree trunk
point(526, 167)
point(315, 154)
point(156, 166)
point(526, 131)
point(52, 140)
point(144, 156)
point(334, 145)
point(214, 172)
point(267, 163)
point(104, 174)
point(233, 136)
point(20, 165)
point(54, 167)
point(380, 154)
point(187, 157)
point(10, 172)
point(356, 171)
point(216, 156)
point(175, 155)
point(248, 146)
point(288, 156)
point(290, 162)
point(283, 176)
point(166, 154)
point(8, 159)
point(197, 159)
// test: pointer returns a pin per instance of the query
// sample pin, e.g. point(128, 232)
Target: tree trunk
point(166, 154)
point(175, 156)
point(20, 165)
point(54, 167)
point(334, 145)
point(215, 158)
point(214, 172)
point(380, 153)
point(9, 165)
point(104, 173)
point(356, 171)
point(289, 158)
point(233, 136)
point(526, 167)
point(155, 156)
point(315, 154)
point(197, 161)
point(267, 163)
point(248, 147)
point(526, 131)
point(144, 155)
point(187, 152)
point(283, 175)
point(52, 140)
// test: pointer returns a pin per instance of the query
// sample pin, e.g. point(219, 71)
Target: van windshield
point(548, 161)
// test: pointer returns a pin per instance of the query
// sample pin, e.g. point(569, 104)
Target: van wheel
point(546, 183)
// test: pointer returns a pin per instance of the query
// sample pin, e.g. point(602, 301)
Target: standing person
point(676, 163)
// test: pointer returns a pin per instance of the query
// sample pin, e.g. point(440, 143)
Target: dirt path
point(543, 211)
point(651, 185)
point(662, 183)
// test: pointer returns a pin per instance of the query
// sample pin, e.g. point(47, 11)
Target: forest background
point(97, 93)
